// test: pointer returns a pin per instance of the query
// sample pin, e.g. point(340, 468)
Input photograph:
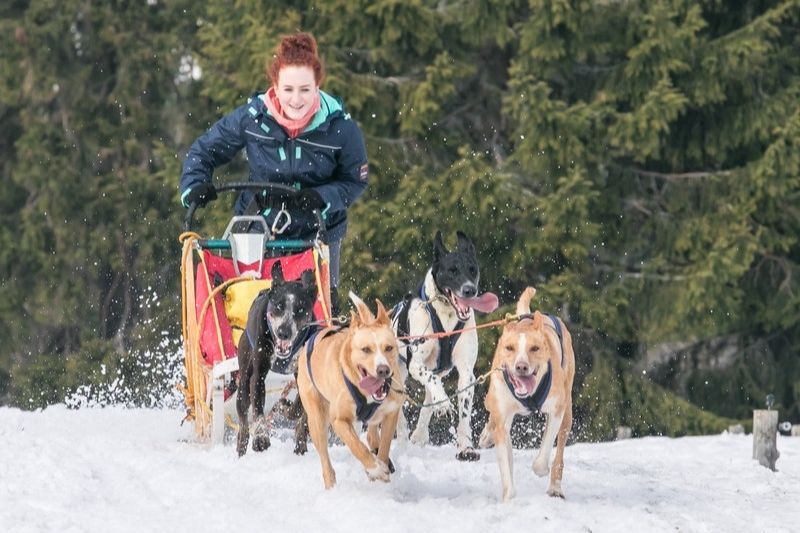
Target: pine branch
point(680, 176)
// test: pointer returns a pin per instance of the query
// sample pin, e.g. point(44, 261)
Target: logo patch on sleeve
point(363, 172)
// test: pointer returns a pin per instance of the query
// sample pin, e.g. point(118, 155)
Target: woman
point(296, 135)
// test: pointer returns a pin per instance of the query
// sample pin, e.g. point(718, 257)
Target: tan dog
point(346, 379)
point(533, 368)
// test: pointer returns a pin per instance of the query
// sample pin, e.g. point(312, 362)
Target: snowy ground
point(119, 470)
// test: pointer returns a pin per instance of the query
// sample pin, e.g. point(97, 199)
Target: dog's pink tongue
point(524, 385)
point(371, 384)
point(485, 303)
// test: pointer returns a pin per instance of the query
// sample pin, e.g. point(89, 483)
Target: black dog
point(276, 327)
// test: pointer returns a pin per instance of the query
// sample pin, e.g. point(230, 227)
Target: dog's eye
point(509, 347)
point(278, 308)
point(300, 313)
point(534, 349)
point(388, 348)
point(453, 270)
point(367, 349)
point(473, 271)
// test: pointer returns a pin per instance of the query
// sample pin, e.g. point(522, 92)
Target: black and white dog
point(445, 303)
point(276, 328)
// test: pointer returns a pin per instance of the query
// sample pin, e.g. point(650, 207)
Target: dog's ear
point(538, 320)
point(524, 303)
point(438, 246)
point(382, 315)
point(465, 243)
point(307, 279)
point(277, 273)
point(354, 321)
point(364, 313)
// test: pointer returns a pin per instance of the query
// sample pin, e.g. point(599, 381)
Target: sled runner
point(220, 278)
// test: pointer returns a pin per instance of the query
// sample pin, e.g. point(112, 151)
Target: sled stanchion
point(765, 435)
point(210, 365)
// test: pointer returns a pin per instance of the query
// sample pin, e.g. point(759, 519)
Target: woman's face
point(296, 90)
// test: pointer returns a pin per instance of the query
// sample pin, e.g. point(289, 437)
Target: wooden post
point(765, 437)
point(624, 432)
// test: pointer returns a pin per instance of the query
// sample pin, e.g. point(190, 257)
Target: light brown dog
point(533, 368)
point(346, 379)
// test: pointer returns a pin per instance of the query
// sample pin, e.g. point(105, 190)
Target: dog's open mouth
point(378, 388)
point(283, 349)
point(523, 385)
point(485, 303)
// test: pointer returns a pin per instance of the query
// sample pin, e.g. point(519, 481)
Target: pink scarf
point(292, 127)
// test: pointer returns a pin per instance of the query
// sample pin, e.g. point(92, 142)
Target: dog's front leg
point(242, 408)
point(317, 414)
point(466, 380)
point(388, 427)
point(376, 470)
point(557, 471)
point(421, 435)
point(260, 426)
point(301, 433)
point(501, 429)
point(541, 465)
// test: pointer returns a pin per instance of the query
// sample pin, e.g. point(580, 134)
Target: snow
point(117, 470)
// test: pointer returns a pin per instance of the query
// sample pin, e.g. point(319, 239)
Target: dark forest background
point(637, 161)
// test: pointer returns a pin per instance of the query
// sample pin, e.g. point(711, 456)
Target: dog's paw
point(261, 442)
point(379, 472)
point(508, 495)
point(555, 491)
point(468, 454)
point(390, 464)
point(329, 478)
point(300, 448)
point(540, 467)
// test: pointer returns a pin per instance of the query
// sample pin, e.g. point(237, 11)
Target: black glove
point(200, 194)
point(308, 199)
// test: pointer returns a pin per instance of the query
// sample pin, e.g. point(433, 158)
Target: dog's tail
point(524, 303)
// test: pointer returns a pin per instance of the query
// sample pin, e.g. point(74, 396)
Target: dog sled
point(220, 278)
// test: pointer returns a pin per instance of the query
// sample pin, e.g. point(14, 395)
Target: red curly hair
point(299, 49)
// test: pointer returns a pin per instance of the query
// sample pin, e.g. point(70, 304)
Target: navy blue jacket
point(329, 155)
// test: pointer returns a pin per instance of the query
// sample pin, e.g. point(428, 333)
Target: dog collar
point(535, 401)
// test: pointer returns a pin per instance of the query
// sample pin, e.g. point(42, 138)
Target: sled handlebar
point(269, 190)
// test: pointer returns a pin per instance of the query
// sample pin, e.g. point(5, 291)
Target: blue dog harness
point(446, 343)
point(535, 401)
point(364, 408)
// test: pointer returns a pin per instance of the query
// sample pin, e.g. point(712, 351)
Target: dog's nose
point(522, 368)
point(284, 332)
point(383, 371)
point(470, 291)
